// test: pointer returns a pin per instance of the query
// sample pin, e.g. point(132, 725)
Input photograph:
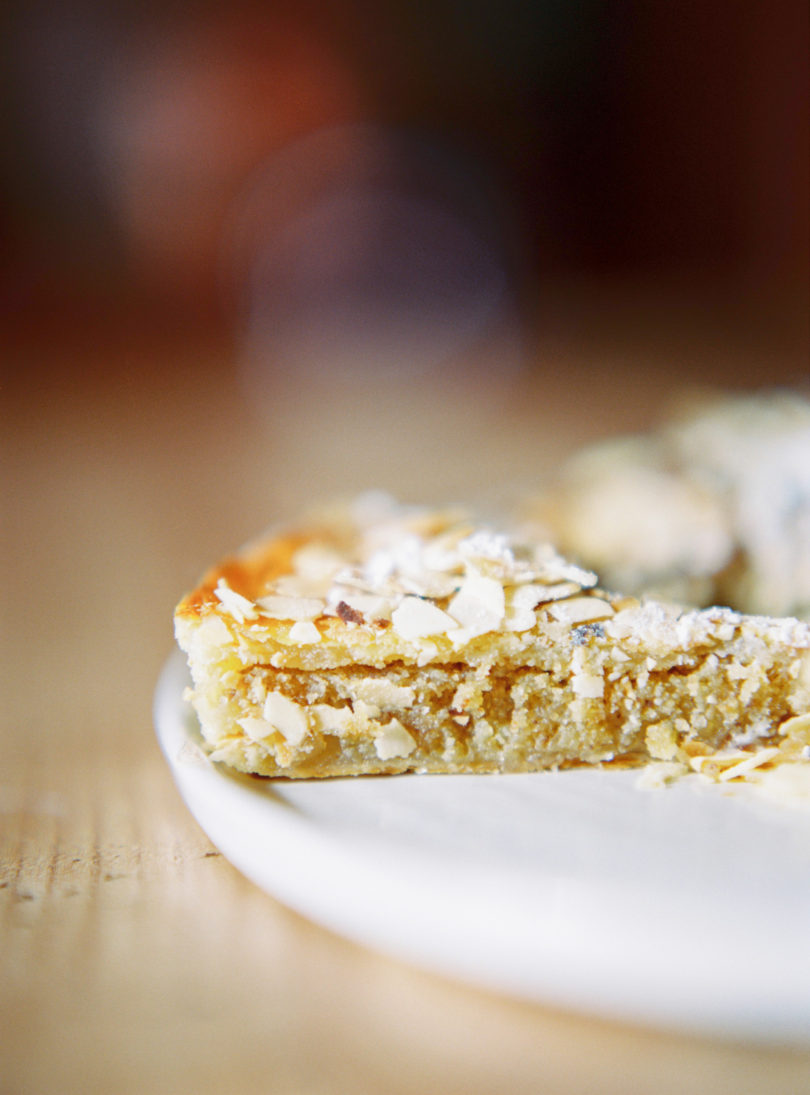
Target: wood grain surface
point(133, 957)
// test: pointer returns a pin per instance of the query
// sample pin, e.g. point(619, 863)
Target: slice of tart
point(383, 639)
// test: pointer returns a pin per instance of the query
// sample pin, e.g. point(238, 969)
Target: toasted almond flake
point(281, 607)
point(489, 553)
point(384, 693)
point(755, 760)
point(304, 631)
point(294, 585)
point(330, 720)
point(227, 752)
point(286, 716)
point(432, 585)
point(351, 581)
point(524, 598)
point(239, 607)
point(708, 763)
point(393, 741)
point(416, 619)
point(354, 578)
point(213, 632)
point(366, 712)
point(589, 686)
point(480, 604)
point(518, 618)
point(580, 610)
point(798, 726)
point(556, 591)
point(255, 728)
point(316, 562)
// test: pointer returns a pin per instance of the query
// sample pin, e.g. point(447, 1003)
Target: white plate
point(686, 908)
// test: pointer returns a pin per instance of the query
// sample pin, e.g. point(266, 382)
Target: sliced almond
point(239, 607)
point(286, 716)
point(480, 604)
point(416, 619)
point(280, 607)
point(255, 728)
point(394, 741)
point(589, 686)
point(580, 610)
point(304, 631)
point(330, 720)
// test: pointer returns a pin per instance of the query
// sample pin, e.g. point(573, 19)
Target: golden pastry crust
point(377, 639)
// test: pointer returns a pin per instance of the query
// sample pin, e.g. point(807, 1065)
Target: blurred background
point(481, 234)
point(394, 230)
point(160, 159)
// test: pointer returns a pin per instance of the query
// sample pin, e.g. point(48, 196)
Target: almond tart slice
point(382, 639)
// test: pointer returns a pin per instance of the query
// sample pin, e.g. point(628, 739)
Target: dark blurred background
point(149, 154)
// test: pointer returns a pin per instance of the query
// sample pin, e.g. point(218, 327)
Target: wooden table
point(134, 957)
